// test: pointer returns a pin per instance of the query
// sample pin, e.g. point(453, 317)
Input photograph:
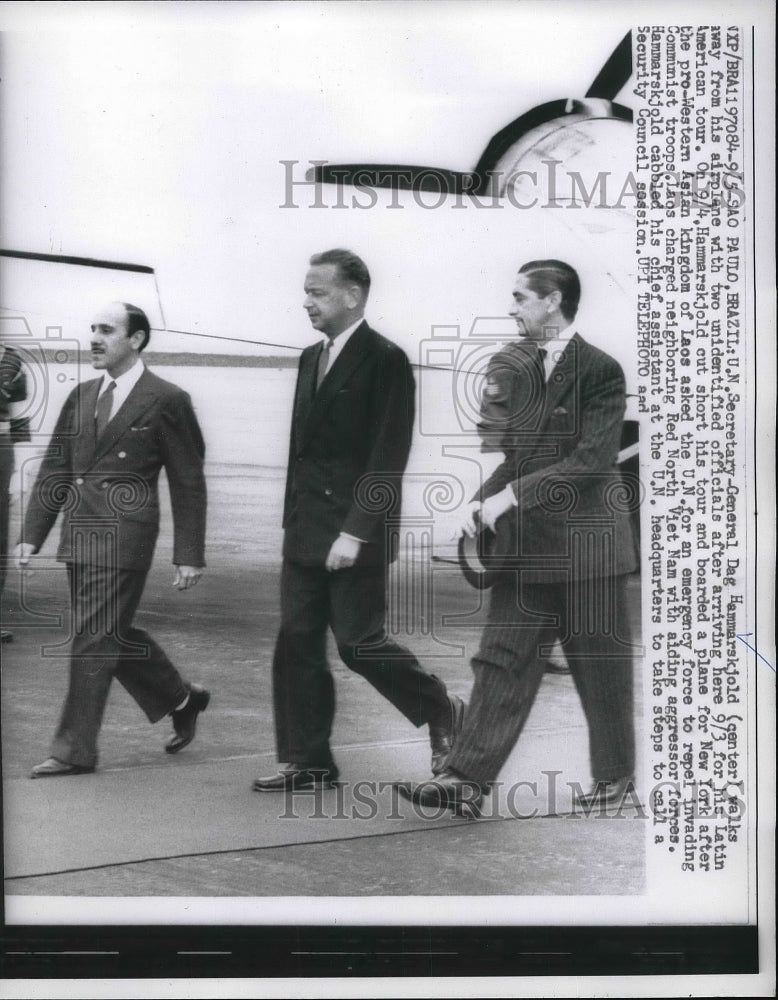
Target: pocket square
point(559, 411)
point(146, 427)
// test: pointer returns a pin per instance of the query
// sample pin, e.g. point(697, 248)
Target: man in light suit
point(113, 437)
point(554, 404)
point(351, 434)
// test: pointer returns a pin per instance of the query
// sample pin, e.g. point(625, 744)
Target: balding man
point(351, 435)
point(113, 437)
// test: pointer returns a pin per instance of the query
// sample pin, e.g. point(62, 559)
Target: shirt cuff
point(508, 495)
point(345, 534)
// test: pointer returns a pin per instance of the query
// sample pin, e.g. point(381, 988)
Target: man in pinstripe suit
point(554, 405)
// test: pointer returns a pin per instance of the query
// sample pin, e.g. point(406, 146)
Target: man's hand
point(343, 553)
point(187, 576)
point(467, 521)
point(477, 515)
point(494, 506)
point(22, 554)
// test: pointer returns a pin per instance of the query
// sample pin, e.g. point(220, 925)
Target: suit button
point(79, 481)
point(122, 454)
point(104, 485)
point(328, 492)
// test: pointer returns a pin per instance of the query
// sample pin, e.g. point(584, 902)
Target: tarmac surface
point(147, 824)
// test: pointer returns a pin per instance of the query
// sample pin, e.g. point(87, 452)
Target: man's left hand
point(343, 553)
point(494, 506)
point(186, 577)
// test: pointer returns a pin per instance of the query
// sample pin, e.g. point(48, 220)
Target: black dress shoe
point(185, 720)
point(607, 793)
point(297, 777)
point(442, 736)
point(449, 791)
point(53, 768)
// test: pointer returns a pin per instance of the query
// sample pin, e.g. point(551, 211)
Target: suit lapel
point(563, 376)
point(135, 405)
point(85, 442)
point(561, 382)
point(351, 357)
point(306, 379)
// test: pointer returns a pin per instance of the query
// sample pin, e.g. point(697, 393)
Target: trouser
point(352, 602)
point(105, 644)
point(590, 619)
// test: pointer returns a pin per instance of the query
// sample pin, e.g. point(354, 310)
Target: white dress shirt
point(124, 385)
point(339, 342)
point(555, 348)
point(337, 346)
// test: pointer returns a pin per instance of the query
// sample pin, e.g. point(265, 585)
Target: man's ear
point(136, 339)
point(554, 300)
point(353, 296)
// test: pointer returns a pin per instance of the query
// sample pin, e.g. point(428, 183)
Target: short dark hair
point(352, 269)
point(137, 320)
point(546, 276)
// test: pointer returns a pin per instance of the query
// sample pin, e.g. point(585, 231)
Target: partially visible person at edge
point(13, 428)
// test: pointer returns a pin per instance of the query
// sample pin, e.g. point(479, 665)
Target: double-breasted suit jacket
point(108, 492)
point(349, 445)
point(113, 482)
point(561, 440)
point(570, 545)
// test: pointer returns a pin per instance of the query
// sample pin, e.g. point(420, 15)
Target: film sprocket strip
point(101, 952)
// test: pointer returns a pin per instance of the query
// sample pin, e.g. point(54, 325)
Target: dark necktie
point(103, 409)
point(324, 359)
point(539, 382)
point(542, 352)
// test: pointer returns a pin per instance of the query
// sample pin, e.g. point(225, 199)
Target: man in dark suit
point(554, 405)
point(113, 437)
point(351, 434)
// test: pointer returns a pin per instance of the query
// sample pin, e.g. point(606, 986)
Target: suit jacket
point(348, 449)
point(108, 488)
point(561, 440)
point(13, 383)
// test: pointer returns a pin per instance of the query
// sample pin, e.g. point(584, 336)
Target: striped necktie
point(103, 409)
